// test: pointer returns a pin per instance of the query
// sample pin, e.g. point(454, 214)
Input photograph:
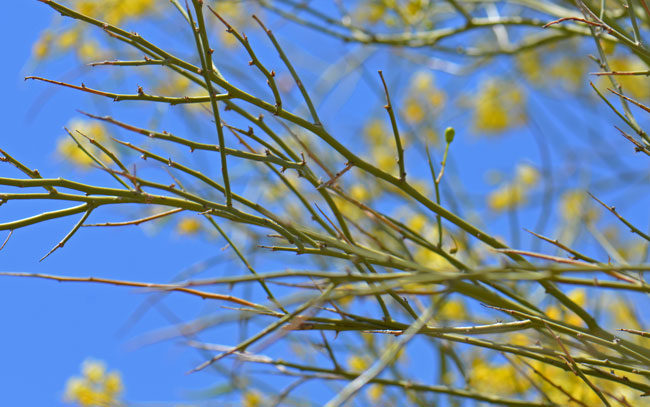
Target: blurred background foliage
point(516, 296)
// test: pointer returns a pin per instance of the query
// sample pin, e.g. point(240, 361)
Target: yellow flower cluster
point(69, 151)
point(382, 150)
point(498, 106)
point(358, 363)
point(578, 296)
point(423, 98)
point(375, 392)
point(96, 387)
point(235, 14)
point(575, 205)
point(635, 86)
point(188, 225)
point(392, 12)
point(579, 390)
point(569, 71)
point(490, 378)
point(252, 398)
point(511, 194)
point(115, 11)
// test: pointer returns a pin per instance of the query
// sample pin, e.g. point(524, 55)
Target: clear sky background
point(48, 328)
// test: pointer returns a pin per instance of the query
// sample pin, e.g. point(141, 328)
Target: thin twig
point(398, 143)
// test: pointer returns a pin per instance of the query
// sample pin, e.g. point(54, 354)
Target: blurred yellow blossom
point(506, 197)
point(252, 398)
point(68, 149)
point(375, 392)
point(579, 296)
point(371, 12)
point(498, 106)
point(414, 111)
point(111, 11)
point(357, 363)
point(385, 157)
point(530, 65)
point(422, 81)
point(116, 11)
point(375, 131)
point(188, 225)
point(359, 192)
point(89, 50)
point(527, 174)
point(574, 205)
point(430, 259)
point(417, 222)
point(96, 387)
point(490, 378)
point(452, 310)
point(519, 339)
point(424, 97)
point(412, 9)
point(514, 193)
point(634, 86)
point(113, 383)
point(42, 46)
point(93, 370)
point(570, 71)
point(67, 39)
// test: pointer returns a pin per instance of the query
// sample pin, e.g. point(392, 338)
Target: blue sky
point(50, 328)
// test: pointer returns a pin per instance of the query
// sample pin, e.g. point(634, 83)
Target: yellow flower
point(417, 222)
point(70, 151)
point(359, 192)
point(86, 7)
point(89, 50)
point(414, 113)
point(422, 81)
point(371, 13)
point(67, 39)
point(412, 8)
point(527, 175)
point(253, 398)
point(570, 71)
point(579, 296)
point(453, 310)
point(635, 86)
point(42, 46)
point(74, 388)
point(519, 339)
point(93, 370)
point(423, 98)
point(188, 225)
point(574, 205)
point(95, 388)
point(530, 65)
point(375, 392)
point(375, 131)
point(496, 379)
point(113, 383)
point(553, 312)
point(357, 363)
point(385, 158)
point(430, 259)
point(498, 106)
point(345, 301)
point(506, 197)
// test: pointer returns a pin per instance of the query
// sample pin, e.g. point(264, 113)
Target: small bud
point(449, 134)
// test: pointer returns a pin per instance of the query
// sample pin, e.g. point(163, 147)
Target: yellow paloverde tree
point(398, 258)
